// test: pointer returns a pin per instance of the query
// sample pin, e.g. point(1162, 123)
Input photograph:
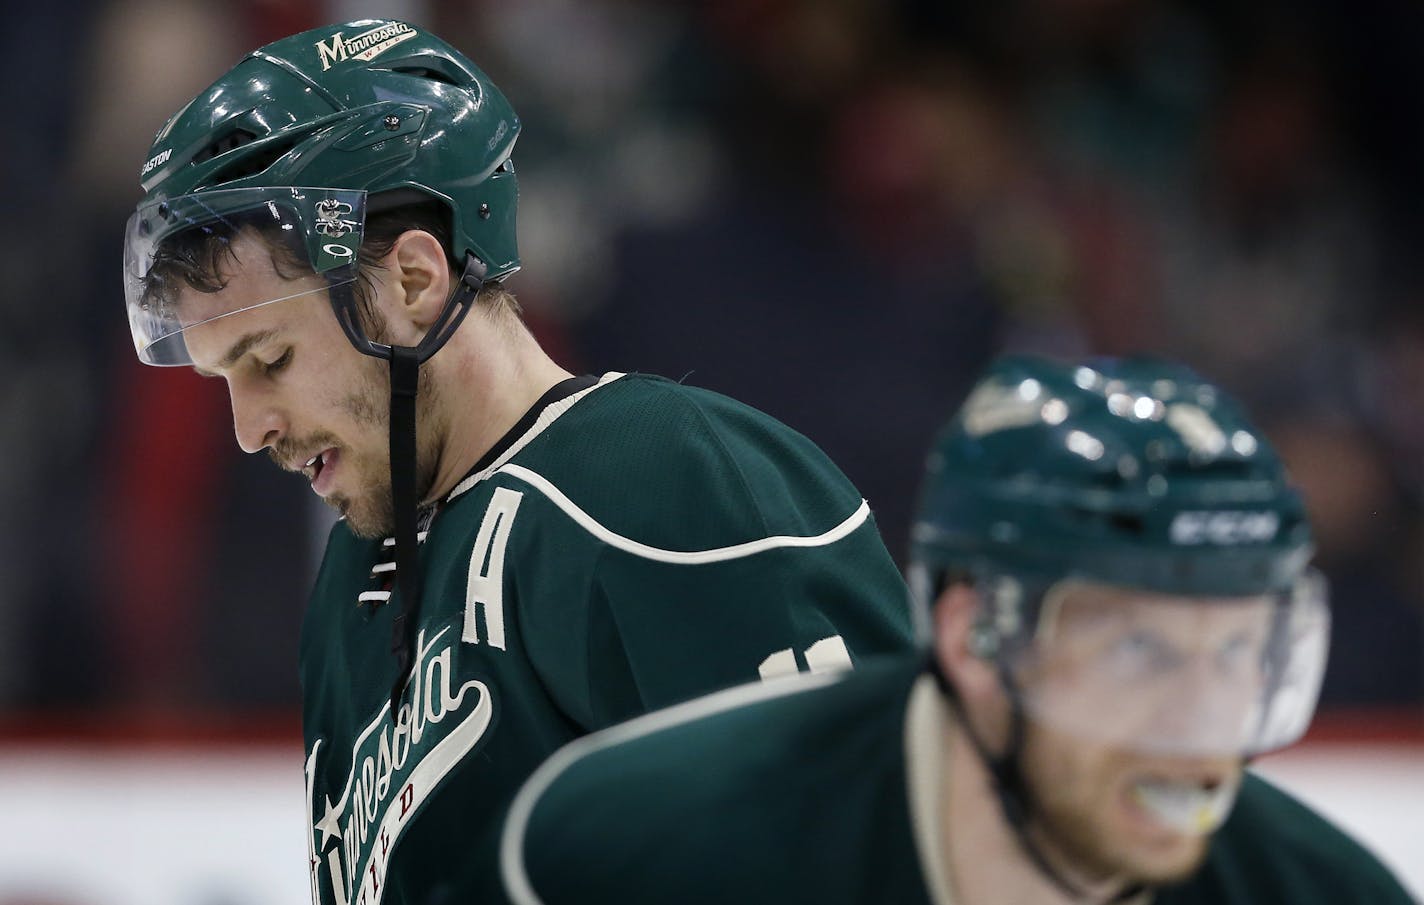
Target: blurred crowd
point(835, 210)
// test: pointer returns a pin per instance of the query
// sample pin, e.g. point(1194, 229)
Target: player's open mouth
point(1191, 806)
point(321, 469)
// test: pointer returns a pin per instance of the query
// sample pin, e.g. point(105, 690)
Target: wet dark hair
point(196, 258)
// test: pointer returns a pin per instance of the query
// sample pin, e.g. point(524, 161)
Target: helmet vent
point(427, 72)
point(1127, 524)
point(1120, 524)
point(423, 73)
point(228, 142)
point(252, 164)
point(1217, 469)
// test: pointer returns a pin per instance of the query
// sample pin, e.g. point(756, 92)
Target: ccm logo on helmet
point(1224, 527)
point(365, 46)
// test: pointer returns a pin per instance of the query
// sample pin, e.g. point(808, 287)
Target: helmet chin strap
point(1011, 789)
point(405, 362)
point(405, 381)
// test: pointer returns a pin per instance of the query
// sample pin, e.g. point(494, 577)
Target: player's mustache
point(292, 453)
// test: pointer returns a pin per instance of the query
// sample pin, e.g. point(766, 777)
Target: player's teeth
point(1185, 806)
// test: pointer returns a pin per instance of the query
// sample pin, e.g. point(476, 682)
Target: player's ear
point(962, 658)
point(421, 275)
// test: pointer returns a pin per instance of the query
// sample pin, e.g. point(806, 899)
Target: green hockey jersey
point(632, 543)
point(824, 789)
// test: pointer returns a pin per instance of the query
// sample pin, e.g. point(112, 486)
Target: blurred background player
point(524, 555)
point(1124, 614)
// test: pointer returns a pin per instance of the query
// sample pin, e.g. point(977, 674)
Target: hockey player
point(1123, 615)
point(525, 555)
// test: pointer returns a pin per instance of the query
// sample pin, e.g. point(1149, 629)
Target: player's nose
point(257, 421)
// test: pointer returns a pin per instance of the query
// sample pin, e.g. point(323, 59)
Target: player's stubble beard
point(1075, 789)
point(370, 513)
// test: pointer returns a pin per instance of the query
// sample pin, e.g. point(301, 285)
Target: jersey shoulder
point(748, 788)
point(641, 454)
point(653, 542)
point(1274, 848)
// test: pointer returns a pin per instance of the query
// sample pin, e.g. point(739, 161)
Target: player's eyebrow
point(239, 349)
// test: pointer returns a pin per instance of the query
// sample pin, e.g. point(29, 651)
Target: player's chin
point(1166, 862)
point(365, 521)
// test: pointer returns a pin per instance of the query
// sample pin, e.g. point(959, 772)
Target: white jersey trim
point(552, 413)
point(681, 557)
point(547, 417)
point(927, 720)
point(511, 848)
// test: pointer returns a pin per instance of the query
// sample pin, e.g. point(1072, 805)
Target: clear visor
point(1175, 675)
point(181, 257)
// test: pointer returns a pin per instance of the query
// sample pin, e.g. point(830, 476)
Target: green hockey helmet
point(372, 105)
point(1134, 472)
point(1118, 518)
point(382, 113)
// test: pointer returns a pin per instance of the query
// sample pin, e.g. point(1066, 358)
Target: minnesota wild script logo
point(395, 765)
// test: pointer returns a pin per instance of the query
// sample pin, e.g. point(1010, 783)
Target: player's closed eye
point(273, 367)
